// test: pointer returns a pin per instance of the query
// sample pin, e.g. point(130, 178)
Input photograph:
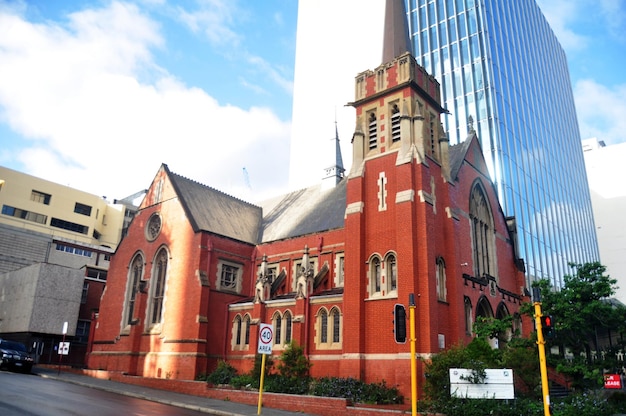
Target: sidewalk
point(200, 404)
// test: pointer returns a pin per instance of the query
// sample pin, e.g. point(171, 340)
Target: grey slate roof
point(214, 211)
point(303, 212)
point(296, 213)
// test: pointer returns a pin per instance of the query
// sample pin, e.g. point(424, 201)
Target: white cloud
point(213, 18)
point(101, 116)
point(601, 110)
point(562, 15)
point(614, 14)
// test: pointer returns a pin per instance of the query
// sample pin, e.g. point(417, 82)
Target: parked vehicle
point(15, 356)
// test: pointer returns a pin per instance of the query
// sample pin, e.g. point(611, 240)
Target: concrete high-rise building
point(503, 73)
point(55, 246)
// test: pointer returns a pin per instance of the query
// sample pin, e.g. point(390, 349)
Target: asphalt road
point(30, 395)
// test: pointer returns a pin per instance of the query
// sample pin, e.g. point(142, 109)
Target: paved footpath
point(197, 403)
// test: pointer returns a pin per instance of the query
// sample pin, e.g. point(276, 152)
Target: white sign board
point(498, 384)
point(64, 348)
point(266, 336)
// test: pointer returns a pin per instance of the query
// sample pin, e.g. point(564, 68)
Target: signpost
point(266, 338)
point(63, 348)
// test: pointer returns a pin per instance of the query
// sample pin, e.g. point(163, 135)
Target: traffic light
point(399, 323)
point(547, 326)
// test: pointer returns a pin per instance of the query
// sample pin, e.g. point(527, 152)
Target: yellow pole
point(541, 344)
point(413, 360)
point(258, 411)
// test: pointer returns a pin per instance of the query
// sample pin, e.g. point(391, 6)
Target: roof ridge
point(213, 189)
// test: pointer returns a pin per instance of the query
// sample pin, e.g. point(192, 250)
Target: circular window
point(154, 227)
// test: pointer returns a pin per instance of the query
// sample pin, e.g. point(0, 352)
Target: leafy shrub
point(222, 374)
point(277, 383)
point(356, 390)
point(480, 407)
point(293, 362)
point(245, 381)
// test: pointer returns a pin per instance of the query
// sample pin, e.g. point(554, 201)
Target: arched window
point(247, 330)
point(241, 333)
point(468, 316)
point(391, 269)
point(376, 275)
point(323, 320)
point(278, 326)
point(283, 328)
point(483, 234)
point(287, 327)
point(159, 277)
point(135, 274)
point(336, 317)
point(328, 335)
point(238, 328)
point(440, 272)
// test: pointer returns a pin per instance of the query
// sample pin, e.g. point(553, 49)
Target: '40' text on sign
point(266, 336)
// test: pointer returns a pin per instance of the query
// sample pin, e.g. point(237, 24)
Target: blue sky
point(96, 94)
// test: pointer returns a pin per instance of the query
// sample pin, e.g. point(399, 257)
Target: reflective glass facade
point(499, 62)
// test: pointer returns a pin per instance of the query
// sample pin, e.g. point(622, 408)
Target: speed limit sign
point(266, 336)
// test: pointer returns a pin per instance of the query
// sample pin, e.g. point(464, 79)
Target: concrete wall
point(20, 247)
point(40, 298)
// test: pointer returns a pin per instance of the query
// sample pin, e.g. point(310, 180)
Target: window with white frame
point(246, 331)
point(391, 272)
point(241, 332)
point(383, 276)
point(440, 275)
point(135, 274)
point(229, 276)
point(339, 267)
point(157, 289)
point(328, 328)
point(283, 327)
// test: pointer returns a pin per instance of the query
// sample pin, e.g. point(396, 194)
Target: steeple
point(396, 39)
point(334, 174)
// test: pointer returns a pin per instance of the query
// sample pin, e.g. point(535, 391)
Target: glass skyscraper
point(500, 64)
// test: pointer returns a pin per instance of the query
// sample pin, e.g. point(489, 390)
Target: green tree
point(582, 315)
point(581, 309)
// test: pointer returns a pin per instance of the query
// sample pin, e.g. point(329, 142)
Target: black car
point(15, 356)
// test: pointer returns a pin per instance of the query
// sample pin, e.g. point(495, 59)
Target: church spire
point(334, 174)
point(338, 158)
point(396, 33)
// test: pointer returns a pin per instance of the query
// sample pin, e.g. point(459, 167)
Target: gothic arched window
point(135, 274)
point(483, 234)
point(157, 295)
point(440, 270)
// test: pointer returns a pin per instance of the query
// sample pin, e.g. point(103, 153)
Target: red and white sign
point(64, 348)
point(612, 381)
point(266, 336)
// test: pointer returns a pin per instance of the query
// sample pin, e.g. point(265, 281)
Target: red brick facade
point(413, 210)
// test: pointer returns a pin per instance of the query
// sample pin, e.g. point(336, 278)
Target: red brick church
point(199, 270)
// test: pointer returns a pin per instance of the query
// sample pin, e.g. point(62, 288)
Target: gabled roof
point(294, 214)
point(457, 154)
point(216, 212)
point(302, 212)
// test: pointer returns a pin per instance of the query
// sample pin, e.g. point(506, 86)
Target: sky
point(96, 94)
